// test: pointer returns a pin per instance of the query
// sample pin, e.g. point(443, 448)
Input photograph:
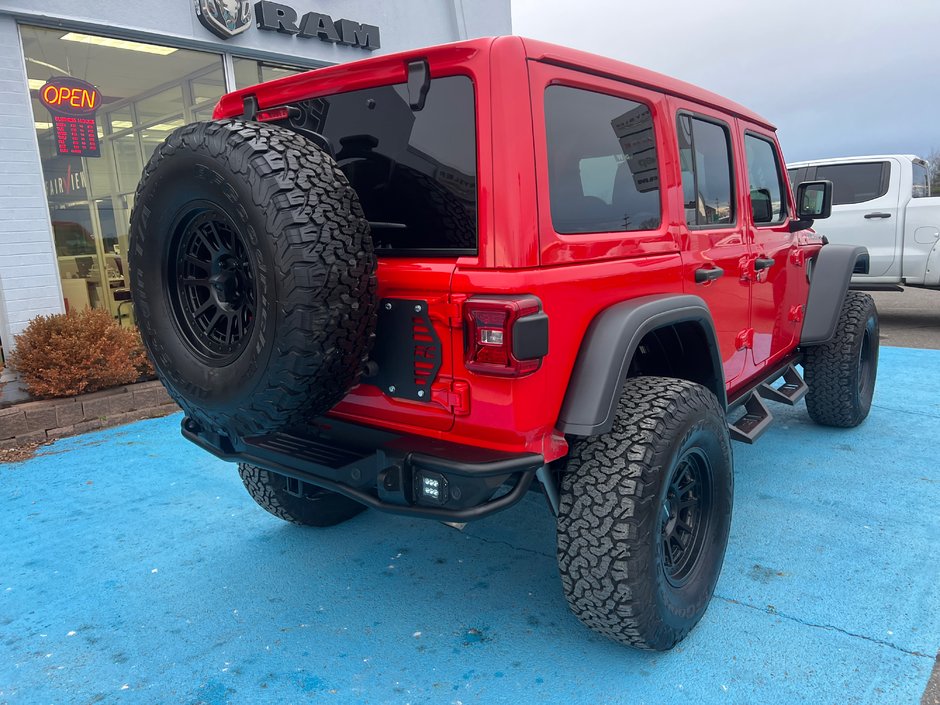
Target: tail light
point(505, 335)
point(272, 114)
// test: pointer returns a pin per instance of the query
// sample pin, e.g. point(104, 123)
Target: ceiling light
point(43, 125)
point(166, 126)
point(35, 84)
point(117, 43)
point(121, 124)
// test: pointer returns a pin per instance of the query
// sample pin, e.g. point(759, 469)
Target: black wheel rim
point(211, 284)
point(685, 516)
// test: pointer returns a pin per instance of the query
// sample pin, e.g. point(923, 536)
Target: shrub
point(75, 353)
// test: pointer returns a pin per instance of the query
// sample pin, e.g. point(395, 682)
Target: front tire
point(314, 507)
point(841, 373)
point(645, 514)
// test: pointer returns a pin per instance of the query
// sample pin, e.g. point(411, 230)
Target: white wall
point(29, 277)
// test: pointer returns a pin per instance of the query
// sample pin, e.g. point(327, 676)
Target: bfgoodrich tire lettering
point(618, 507)
point(841, 373)
point(309, 275)
point(316, 506)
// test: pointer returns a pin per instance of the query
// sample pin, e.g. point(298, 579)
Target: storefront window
point(146, 91)
point(249, 72)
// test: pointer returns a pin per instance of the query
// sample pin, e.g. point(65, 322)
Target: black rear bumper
point(392, 472)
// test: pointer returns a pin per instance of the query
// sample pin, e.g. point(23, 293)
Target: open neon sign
point(72, 104)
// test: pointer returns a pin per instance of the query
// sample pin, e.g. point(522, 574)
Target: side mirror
point(762, 210)
point(814, 200)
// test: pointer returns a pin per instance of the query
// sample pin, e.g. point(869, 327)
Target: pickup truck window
point(797, 177)
point(856, 183)
point(707, 177)
point(603, 168)
point(764, 181)
point(921, 181)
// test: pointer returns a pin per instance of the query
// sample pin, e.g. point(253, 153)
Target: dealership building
point(88, 90)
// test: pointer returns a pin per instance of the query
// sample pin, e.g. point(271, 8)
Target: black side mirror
point(762, 210)
point(814, 200)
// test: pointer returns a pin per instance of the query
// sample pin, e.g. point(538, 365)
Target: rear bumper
point(388, 471)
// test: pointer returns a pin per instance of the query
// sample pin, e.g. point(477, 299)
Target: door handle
point(869, 216)
point(763, 263)
point(710, 274)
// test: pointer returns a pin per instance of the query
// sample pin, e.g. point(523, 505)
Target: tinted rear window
point(855, 183)
point(415, 171)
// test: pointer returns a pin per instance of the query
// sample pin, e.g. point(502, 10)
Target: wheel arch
point(832, 271)
point(613, 347)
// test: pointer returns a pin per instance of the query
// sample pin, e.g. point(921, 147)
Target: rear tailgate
point(412, 382)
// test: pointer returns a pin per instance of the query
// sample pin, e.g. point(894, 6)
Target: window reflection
point(145, 95)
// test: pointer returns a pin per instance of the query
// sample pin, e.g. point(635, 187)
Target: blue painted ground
point(135, 569)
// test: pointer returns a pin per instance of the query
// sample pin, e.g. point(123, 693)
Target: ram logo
point(224, 18)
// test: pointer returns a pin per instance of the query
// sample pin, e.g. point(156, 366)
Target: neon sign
point(72, 104)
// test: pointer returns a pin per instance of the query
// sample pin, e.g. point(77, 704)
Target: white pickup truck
point(884, 204)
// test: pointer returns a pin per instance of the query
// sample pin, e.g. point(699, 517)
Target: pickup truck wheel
point(253, 276)
point(314, 507)
point(645, 514)
point(841, 373)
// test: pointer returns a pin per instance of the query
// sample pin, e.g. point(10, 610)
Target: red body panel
point(575, 276)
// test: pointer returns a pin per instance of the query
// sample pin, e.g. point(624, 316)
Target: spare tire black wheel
point(253, 275)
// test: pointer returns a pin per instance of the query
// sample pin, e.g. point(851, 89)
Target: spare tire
point(253, 276)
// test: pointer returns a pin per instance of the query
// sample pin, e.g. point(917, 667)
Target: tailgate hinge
point(453, 395)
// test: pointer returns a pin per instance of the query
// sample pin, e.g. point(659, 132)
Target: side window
point(797, 177)
point(921, 181)
point(603, 171)
point(768, 204)
point(707, 176)
point(856, 183)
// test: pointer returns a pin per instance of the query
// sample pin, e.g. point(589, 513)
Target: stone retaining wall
point(37, 421)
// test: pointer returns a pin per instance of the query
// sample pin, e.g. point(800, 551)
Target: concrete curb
point(38, 421)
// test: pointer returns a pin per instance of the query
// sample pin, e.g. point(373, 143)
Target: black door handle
point(763, 263)
point(869, 216)
point(703, 275)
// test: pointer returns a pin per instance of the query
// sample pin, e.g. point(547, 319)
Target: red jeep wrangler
point(423, 281)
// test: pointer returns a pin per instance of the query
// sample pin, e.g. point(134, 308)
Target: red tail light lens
point(505, 335)
point(272, 115)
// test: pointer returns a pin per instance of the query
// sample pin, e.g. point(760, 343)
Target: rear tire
point(841, 373)
point(317, 506)
point(645, 514)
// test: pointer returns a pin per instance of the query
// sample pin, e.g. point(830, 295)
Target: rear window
point(415, 170)
point(603, 170)
point(855, 183)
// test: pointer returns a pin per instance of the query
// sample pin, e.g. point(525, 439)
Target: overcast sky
point(837, 77)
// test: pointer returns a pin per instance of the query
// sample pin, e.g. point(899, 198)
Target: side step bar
point(753, 423)
point(757, 417)
point(790, 392)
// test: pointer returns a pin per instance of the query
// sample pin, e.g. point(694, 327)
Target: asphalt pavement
point(136, 569)
point(909, 318)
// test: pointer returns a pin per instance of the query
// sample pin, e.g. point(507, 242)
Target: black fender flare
point(608, 348)
point(831, 274)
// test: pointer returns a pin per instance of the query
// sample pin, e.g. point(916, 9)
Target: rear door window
point(855, 183)
point(707, 172)
point(415, 170)
point(603, 168)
